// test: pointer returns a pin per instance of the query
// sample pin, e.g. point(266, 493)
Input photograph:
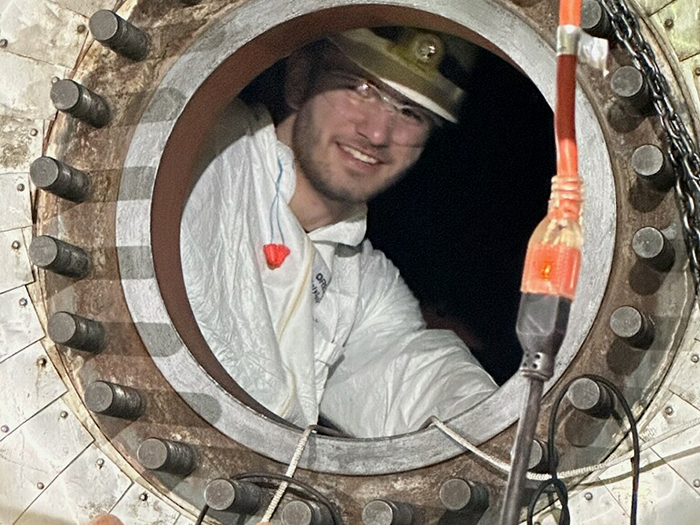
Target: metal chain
point(682, 149)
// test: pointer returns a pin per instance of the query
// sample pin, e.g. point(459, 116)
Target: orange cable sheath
point(570, 12)
point(564, 119)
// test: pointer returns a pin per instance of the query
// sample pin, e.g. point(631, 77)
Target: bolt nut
point(41, 362)
point(16, 245)
point(697, 71)
point(34, 132)
point(40, 486)
point(81, 28)
point(23, 302)
point(668, 411)
point(3, 42)
point(20, 187)
point(696, 483)
point(64, 414)
point(100, 463)
point(668, 23)
point(588, 496)
point(4, 429)
point(695, 358)
point(143, 496)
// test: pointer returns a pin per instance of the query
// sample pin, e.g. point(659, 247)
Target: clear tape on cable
point(593, 52)
point(589, 50)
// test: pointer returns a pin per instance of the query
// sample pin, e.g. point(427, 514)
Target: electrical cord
point(559, 487)
point(203, 513)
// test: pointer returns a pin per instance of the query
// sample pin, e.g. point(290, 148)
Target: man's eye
point(413, 114)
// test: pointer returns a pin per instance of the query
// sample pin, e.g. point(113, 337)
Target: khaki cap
point(409, 66)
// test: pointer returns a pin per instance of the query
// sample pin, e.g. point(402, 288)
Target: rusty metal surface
point(91, 485)
point(30, 383)
point(34, 455)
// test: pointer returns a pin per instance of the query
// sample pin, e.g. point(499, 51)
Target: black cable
point(200, 518)
point(559, 487)
point(635, 442)
point(266, 477)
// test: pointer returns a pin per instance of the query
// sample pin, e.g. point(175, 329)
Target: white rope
point(272, 507)
point(505, 467)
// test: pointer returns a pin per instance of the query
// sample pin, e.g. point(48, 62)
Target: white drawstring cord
point(290, 472)
point(505, 467)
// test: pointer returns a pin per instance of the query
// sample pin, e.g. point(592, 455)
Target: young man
point(299, 309)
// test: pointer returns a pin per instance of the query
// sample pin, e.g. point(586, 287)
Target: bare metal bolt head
point(143, 496)
point(668, 23)
point(81, 28)
point(696, 483)
point(588, 496)
point(16, 245)
point(100, 463)
point(41, 362)
point(23, 302)
point(20, 187)
point(64, 414)
point(3, 42)
point(40, 486)
point(668, 411)
point(4, 429)
point(695, 358)
point(34, 132)
point(697, 71)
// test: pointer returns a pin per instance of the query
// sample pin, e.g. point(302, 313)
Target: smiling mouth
point(356, 154)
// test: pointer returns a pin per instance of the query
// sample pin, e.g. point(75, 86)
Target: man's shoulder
point(238, 119)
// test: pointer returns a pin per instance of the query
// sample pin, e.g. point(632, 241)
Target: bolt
point(143, 497)
point(697, 71)
point(588, 496)
point(34, 132)
point(23, 302)
point(64, 414)
point(696, 483)
point(20, 187)
point(41, 362)
point(100, 463)
point(4, 429)
point(695, 358)
point(3, 42)
point(668, 23)
point(16, 245)
point(81, 28)
point(54, 80)
point(40, 486)
point(668, 411)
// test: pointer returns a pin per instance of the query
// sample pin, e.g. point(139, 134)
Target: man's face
point(349, 156)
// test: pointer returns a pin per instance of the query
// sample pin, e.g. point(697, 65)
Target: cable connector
point(541, 326)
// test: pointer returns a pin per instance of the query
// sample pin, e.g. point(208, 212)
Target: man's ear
point(297, 80)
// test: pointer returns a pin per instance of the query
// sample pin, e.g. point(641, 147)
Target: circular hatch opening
point(226, 57)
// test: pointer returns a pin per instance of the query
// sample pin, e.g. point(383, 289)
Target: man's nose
point(376, 125)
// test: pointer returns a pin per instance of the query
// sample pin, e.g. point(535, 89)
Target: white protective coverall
point(358, 352)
